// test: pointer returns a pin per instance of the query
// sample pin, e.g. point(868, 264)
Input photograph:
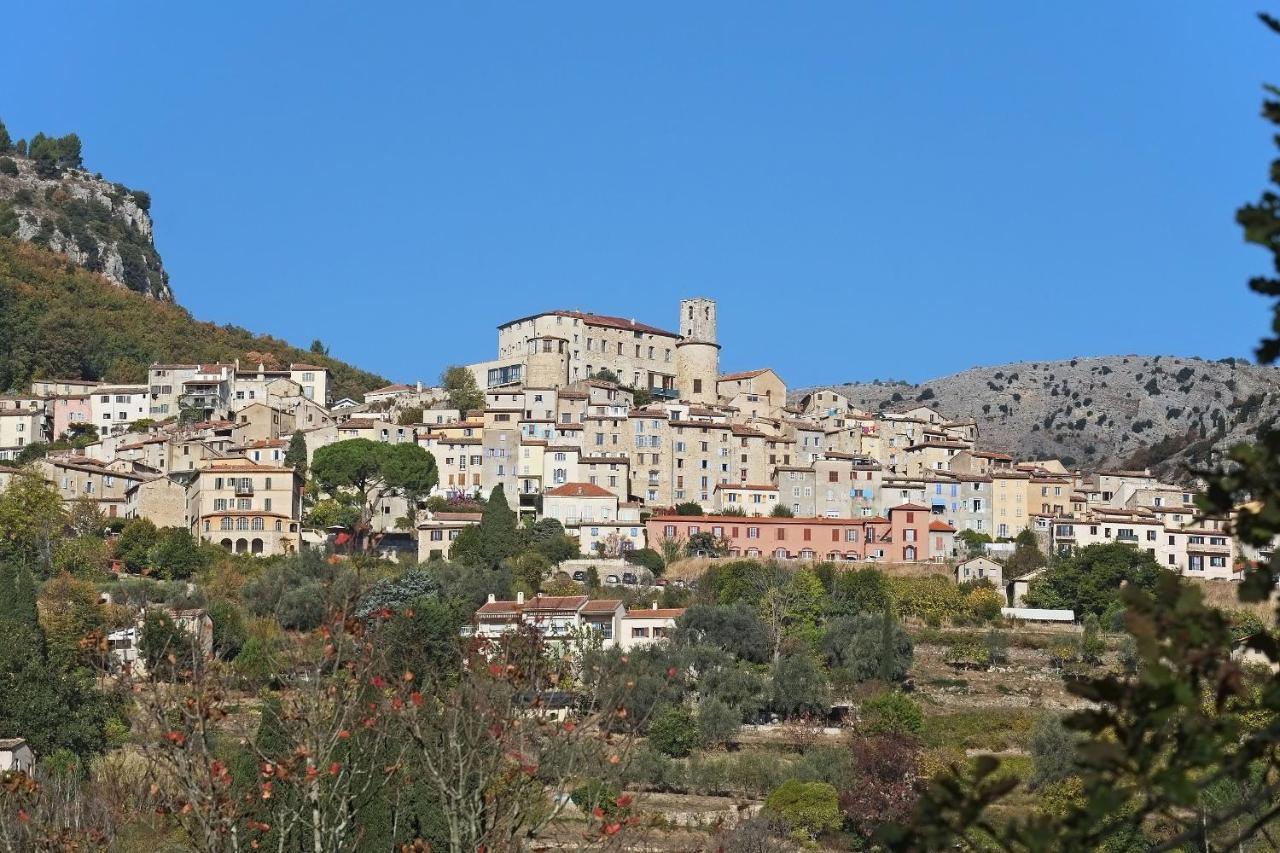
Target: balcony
point(243, 488)
point(665, 393)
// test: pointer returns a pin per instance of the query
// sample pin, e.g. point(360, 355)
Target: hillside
point(1138, 411)
point(57, 319)
point(47, 198)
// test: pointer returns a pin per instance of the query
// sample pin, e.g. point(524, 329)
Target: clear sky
point(870, 190)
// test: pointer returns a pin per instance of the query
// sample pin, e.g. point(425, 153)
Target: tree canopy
point(373, 471)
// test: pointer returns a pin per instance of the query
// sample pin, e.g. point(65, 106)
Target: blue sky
point(869, 190)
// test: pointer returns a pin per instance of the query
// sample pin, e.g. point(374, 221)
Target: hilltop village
point(616, 429)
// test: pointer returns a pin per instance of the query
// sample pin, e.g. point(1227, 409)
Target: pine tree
point(6, 143)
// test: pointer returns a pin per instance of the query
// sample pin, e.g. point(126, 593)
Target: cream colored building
point(646, 625)
point(579, 502)
point(754, 393)
point(245, 507)
point(556, 348)
point(437, 531)
point(77, 477)
point(19, 428)
point(751, 498)
point(63, 387)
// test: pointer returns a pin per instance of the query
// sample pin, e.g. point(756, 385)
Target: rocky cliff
point(101, 226)
point(1167, 413)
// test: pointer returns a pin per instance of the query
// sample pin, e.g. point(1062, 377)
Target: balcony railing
point(244, 488)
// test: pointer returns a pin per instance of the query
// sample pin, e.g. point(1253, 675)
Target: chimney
point(519, 598)
point(492, 598)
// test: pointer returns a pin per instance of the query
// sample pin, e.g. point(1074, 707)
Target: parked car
point(629, 578)
point(580, 576)
point(611, 580)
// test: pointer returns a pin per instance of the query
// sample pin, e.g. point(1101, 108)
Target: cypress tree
point(296, 456)
point(498, 529)
point(8, 577)
point(24, 600)
point(888, 667)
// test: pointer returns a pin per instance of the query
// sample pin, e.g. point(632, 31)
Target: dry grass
point(1225, 595)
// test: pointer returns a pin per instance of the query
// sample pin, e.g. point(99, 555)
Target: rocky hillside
point(1140, 411)
point(47, 198)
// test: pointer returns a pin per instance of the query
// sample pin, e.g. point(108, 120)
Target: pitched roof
point(580, 490)
point(940, 527)
point(602, 605)
point(604, 320)
point(909, 508)
point(555, 602)
point(742, 374)
point(490, 608)
point(654, 613)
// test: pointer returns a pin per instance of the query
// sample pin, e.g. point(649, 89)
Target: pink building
point(781, 538)
point(67, 410)
point(903, 537)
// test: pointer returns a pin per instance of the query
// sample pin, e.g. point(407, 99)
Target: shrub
point(934, 599)
point(799, 686)
point(864, 647)
point(7, 166)
point(646, 558)
point(808, 808)
point(891, 713)
point(673, 732)
point(1053, 751)
point(983, 603)
point(718, 723)
point(597, 794)
point(968, 654)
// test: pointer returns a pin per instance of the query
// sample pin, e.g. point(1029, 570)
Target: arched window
point(909, 553)
point(278, 526)
point(227, 524)
point(242, 524)
point(257, 524)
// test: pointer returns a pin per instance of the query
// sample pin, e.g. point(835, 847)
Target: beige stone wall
point(698, 371)
point(161, 501)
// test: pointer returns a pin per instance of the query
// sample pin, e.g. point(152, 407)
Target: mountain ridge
point(48, 198)
point(1173, 414)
